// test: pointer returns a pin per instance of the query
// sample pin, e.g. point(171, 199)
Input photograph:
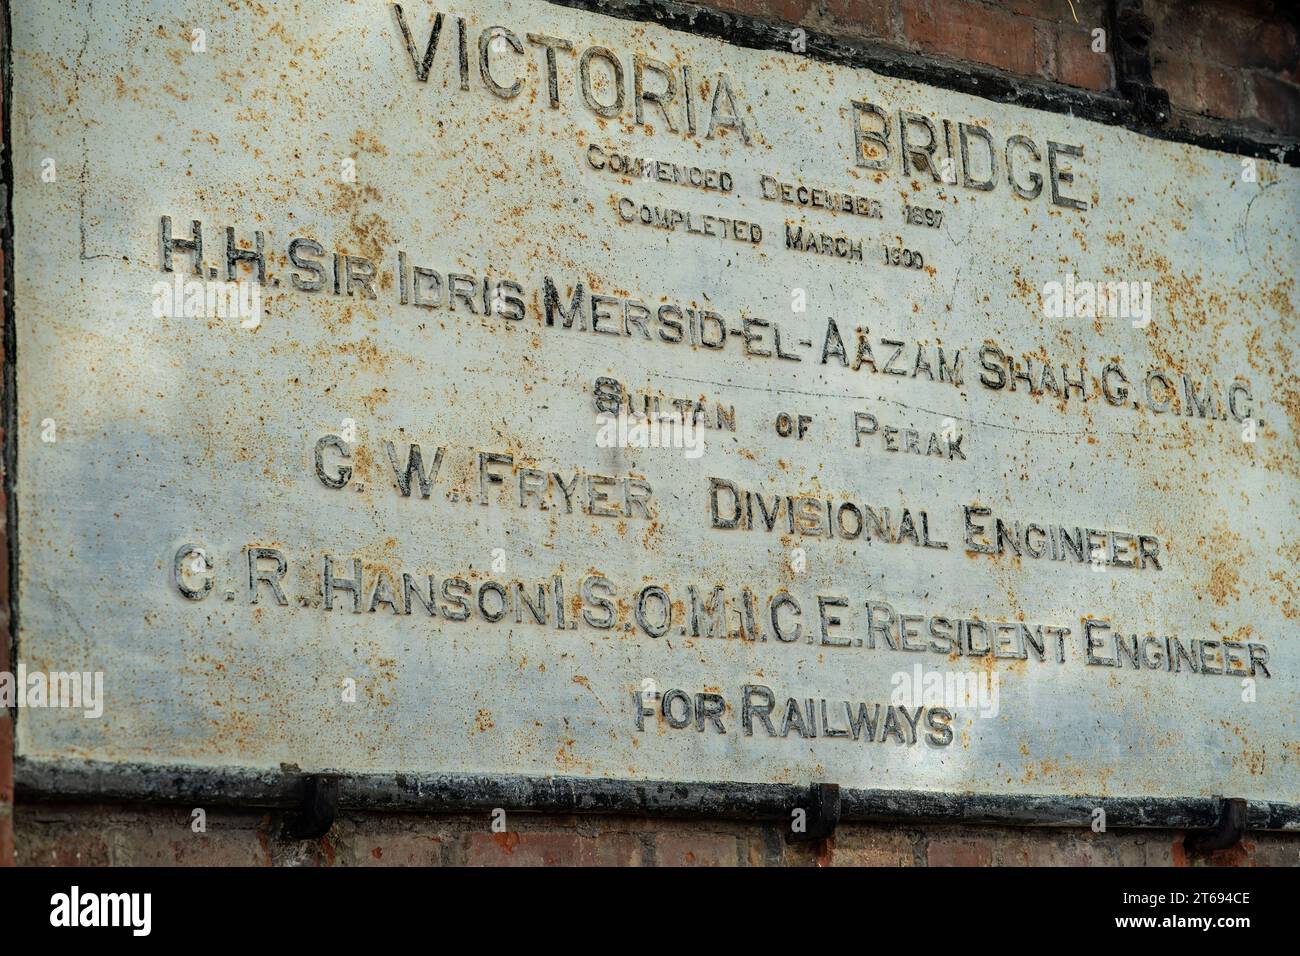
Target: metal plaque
point(508, 388)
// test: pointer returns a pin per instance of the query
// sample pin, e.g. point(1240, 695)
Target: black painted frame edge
point(63, 781)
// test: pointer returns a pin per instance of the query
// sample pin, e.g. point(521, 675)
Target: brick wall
point(161, 836)
point(1232, 60)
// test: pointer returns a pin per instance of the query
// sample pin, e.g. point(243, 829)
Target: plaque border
point(80, 781)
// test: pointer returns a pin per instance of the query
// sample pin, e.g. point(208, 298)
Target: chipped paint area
point(191, 451)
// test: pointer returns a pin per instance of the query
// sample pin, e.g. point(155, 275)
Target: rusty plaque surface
point(972, 464)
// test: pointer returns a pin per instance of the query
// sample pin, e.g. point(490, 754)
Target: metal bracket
point(1132, 32)
point(315, 816)
point(822, 814)
point(1226, 832)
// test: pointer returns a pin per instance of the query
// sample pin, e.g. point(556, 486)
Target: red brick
point(1175, 78)
point(1183, 25)
point(800, 854)
point(1260, 9)
point(523, 849)
point(1088, 12)
point(696, 849)
point(791, 11)
point(968, 31)
point(857, 846)
point(1200, 87)
point(96, 834)
point(1274, 849)
point(160, 836)
point(1277, 46)
point(1277, 104)
point(1246, 42)
point(561, 848)
point(1219, 91)
point(214, 848)
point(957, 851)
point(1093, 850)
point(399, 849)
point(1136, 848)
point(873, 17)
point(1075, 847)
point(616, 849)
point(1078, 65)
point(6, 759)
point(61, 847)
